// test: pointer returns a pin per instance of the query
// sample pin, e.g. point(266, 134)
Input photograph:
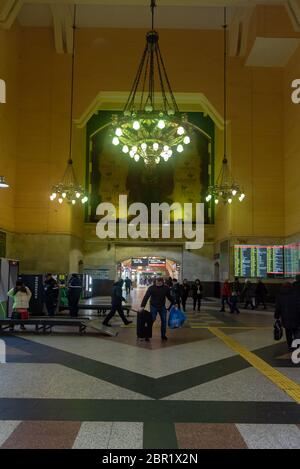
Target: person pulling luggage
point(158, 293)
point(116, 304)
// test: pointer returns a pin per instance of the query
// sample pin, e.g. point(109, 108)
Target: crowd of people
point(287, 306)
point(252, 294)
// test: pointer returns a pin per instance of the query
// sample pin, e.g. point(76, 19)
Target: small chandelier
point(226, 188)
point(68, 189)
point(3, 183)
point(149, 130)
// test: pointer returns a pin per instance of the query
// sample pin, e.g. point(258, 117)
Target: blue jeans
point(162, 311)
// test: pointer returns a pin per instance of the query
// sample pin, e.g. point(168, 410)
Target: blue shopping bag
point(176, 318)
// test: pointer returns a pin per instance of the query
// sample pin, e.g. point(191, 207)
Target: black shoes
point(106, 324)
point(127, 322)
point(164, 337)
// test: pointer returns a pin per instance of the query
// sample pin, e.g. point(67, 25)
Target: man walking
point(116, 304)
point(158, 293)
point(128, 285)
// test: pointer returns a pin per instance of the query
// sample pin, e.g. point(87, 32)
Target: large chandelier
point(68, 189)
point(150, 128)
point(226, 187)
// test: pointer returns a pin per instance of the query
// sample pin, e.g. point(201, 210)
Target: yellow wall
point(106, 60)
point(292, 149)
point(9, 71)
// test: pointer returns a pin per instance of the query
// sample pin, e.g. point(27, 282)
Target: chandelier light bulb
point(155, 146)
point(180, 130)
point(170, 153)
point(115, 141)
point(144, 146)
point(119, 132)
point(157, 160)
point(180, 148)
point(234, 192)
point(131, 153)
point(73, 202)
point(166, 148)
point(60, 200)
point(53, 195)
point(229, 201)
point(161, 124)
point(136, 157)
point(64, 195)
point(134, 149)
point(208, 198)
point(136, 125)
point(186, 140)
point(216, 201)
point(125, 149)
point(171, 112)
point(148, 108)
point(78, 195)
point(241, 197)
point(84, 200)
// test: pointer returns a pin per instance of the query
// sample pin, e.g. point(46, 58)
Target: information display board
point(292, 259)
point(258, 261)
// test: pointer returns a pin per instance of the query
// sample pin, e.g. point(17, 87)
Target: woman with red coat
point(225, 295)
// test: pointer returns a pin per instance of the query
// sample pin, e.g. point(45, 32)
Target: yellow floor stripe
point(248, 328)
point(283, 382)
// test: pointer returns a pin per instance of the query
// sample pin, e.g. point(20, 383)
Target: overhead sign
point(156, 262)
point(139, 262)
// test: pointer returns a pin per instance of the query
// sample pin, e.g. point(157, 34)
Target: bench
point(100, 308)
point(45, 324)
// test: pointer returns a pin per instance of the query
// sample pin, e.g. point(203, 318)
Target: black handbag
point(278, 332)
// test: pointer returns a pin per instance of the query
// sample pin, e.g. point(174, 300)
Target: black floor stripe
point(159, 435)
point(150, 411)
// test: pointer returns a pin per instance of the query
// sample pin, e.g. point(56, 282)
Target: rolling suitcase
point(144, 325)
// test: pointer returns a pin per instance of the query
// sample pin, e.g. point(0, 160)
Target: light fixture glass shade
point(225, 189)
point(68, 189)
point(151, 121)
point(3, 183)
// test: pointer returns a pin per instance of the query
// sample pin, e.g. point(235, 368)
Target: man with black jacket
point(51, 292)
point(158, 293)
point(74, 293)
point(116, 304)
point(288, 311)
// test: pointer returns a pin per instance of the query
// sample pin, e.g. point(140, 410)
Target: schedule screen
point(292, 259)
point(258, 261)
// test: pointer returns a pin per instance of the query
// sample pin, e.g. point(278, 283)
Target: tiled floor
point(68, 391)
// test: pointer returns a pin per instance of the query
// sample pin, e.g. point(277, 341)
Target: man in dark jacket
point(158, 294)
point(184, 293)
point(51, 292)
point(175, 292)
point(287, 310)
point(116, 304)
point(128, 285)
point(260, 294)
point(74, 293)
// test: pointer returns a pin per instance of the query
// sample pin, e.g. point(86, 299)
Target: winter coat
point(288, 307)
point(20, 299)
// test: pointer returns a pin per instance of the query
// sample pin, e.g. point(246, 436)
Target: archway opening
point(142, 270)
